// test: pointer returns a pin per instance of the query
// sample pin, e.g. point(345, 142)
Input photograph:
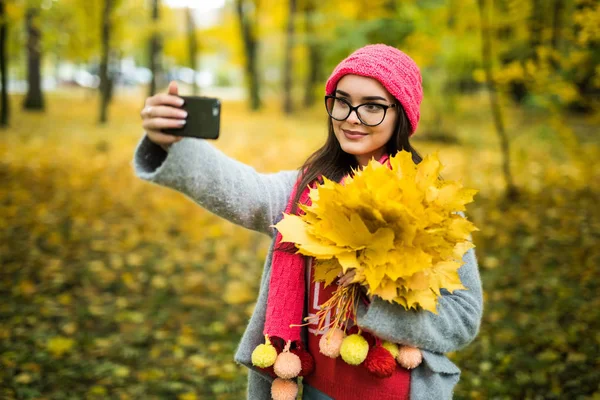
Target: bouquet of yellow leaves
point(397, 228)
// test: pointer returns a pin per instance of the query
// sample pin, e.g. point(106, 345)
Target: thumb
point(173, 88)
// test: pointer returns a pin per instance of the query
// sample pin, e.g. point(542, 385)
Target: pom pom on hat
point(409, 357)
point(380, 362)
point(284, 389)
point(395, 70)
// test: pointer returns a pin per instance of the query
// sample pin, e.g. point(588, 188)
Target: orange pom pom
point(331, 343)
point(284, 389)
point(409, 357)
point(380, 362)
point(287, 365)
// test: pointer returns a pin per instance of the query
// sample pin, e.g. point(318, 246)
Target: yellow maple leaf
point(423, 299)
point(445, 275)
point(427, 172)
point(294, 229)
point(387, 290)
point(417, 281)
point(327, 270)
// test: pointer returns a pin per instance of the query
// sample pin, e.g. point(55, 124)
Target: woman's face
point(362, 141)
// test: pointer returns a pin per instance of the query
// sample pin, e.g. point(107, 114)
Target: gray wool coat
point(238, 193)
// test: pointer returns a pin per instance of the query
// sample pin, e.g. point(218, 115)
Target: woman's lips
point(353, 135)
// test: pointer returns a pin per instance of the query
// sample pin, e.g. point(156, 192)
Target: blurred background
point(114, 288)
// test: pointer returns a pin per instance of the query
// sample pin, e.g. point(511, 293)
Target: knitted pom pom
point(380, 362)
point(409, 357)
point(264, 355)
point(287, 365)
point(331, 342)
point(306, 360)
point(392, 348)
point(284, 389)
point(354, 349)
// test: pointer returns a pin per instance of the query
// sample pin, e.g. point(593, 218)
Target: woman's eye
point(373, 107)
point(340, 103)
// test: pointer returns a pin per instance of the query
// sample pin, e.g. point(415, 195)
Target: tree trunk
point(34, 99)
point(486, 52)
point(452, 11)
point(559, 6)
point(193, 47)
point(557, 11)
point(535, 26)
point(251, 47)
point(288, 67)
point(105, 81)
point(155, 46)
point(314, 54)
point(4, 105)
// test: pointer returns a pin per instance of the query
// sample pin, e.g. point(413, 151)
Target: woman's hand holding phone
point(162, 111)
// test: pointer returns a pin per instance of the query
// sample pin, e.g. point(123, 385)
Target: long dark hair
point(334, 163)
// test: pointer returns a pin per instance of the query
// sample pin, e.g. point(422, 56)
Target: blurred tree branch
point(486, 53)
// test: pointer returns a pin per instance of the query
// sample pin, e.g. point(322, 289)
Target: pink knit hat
point(395, 70)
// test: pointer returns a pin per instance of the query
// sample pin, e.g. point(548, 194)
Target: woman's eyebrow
point(364, 98)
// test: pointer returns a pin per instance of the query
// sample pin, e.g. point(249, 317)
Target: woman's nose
point(353, 118)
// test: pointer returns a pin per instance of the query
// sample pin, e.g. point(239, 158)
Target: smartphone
point(203, 119)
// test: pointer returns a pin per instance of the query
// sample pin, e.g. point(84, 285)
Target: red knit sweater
point(340, 380)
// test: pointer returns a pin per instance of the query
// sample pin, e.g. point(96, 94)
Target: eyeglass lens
point(369, 114)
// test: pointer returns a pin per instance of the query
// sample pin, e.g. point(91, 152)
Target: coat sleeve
point(222, 185)
point(258, 387)
point(456, 324)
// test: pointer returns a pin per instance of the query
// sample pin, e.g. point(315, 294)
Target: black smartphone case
point(203, 119)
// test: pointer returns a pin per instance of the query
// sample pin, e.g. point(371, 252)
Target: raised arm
point(222, 185)
point(456, 324)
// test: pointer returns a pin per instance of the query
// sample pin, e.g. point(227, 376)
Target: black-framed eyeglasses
point(370, 114)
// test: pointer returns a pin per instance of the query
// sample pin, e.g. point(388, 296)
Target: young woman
point(372, 98)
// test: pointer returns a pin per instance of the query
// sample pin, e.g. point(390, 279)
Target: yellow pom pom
point(354, 349)
point(331, 342)
point(264, 355)
point(392, 348)
point(288, 365)
point(409, 357)
point(284, 389)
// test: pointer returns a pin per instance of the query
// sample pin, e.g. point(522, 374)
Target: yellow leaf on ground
point(59, 345)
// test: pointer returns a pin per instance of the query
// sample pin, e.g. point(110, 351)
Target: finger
point(173, 88)
point(157, 124)
point(164, 99)
point(163, 138)
point(163, 112)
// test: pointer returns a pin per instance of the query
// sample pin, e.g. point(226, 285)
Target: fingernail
point(182, 122)
point(180, 102)
point(184, 114)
